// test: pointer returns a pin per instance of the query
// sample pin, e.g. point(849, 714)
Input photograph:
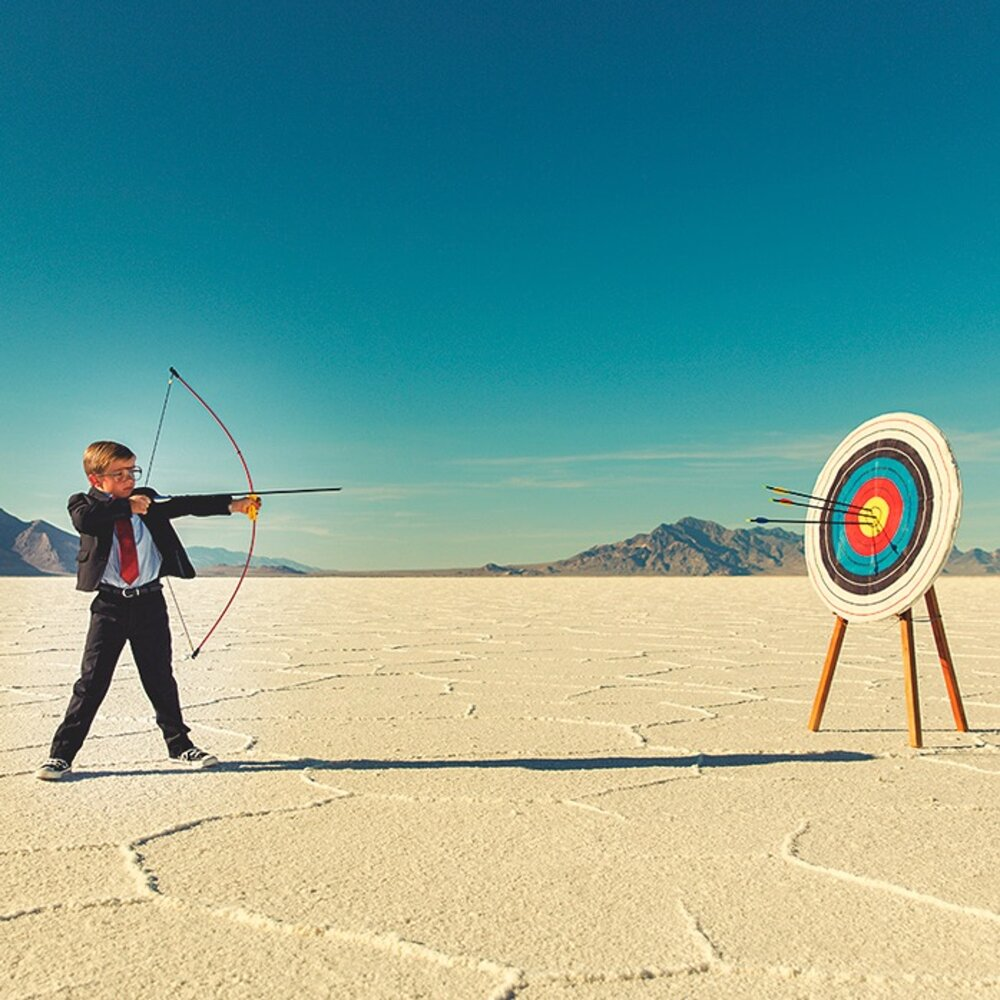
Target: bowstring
point(159, 429)
point(145, 482)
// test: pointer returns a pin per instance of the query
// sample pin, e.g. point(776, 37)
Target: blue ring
point(877, 468)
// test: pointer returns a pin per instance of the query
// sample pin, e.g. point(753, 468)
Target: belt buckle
point(131, 591)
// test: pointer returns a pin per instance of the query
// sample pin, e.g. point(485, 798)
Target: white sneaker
point(196, 759)
point(53, 769)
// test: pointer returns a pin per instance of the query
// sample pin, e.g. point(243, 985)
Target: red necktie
point(127, 556)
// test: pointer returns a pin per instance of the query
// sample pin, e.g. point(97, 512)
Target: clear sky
point(522, 277)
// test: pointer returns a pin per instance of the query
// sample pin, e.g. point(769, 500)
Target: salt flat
point(575, 788)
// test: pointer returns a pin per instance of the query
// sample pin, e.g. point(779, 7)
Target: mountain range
point(693, 547)
point(37, 548)
point(34, 548)
point(690, 547)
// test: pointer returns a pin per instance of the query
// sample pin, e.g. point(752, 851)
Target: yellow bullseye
point(875, 517)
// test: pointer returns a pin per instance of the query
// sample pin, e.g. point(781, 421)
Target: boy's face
point(118, 478)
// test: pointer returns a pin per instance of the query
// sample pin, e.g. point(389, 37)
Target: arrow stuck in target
point(797, 520)
point(837, 511)
point(826, 501)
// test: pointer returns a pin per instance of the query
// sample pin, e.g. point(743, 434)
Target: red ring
point(867, 546)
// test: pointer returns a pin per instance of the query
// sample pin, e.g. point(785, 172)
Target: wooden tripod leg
point(826, 679)
point(910, 677)
point(944, 656)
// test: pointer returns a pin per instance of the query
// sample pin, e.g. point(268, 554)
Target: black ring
point(908, 457)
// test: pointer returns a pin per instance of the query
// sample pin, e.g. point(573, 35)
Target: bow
point(251, 494)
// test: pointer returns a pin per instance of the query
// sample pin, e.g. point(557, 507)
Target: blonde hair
point(99, 455)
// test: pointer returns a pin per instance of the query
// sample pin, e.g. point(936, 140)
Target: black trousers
point(142, 622)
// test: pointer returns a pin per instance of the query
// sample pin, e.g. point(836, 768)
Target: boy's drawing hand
point(245, 505)
point(140, 504)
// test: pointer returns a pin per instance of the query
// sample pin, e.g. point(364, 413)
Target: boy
point(126, 544)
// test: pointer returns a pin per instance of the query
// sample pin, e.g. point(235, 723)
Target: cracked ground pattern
point(514, 788)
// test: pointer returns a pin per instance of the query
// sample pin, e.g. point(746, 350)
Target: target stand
point(891, 502)
point(909, 671)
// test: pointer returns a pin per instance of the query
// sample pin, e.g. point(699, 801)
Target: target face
point(891, 502)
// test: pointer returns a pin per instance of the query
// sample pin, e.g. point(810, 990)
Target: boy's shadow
point(500, 763)
point(552, 763)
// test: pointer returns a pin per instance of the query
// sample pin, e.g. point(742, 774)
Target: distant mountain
point(35, 548)
point(690, 547)
point(975, 562)
point(210, 560)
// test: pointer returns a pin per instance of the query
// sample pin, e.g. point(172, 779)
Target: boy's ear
point(92, 479)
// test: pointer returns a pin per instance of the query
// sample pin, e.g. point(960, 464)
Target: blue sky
point(522, 277)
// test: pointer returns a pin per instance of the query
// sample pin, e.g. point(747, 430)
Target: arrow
point(781, 520)
point(256, 493)
point(826, 501)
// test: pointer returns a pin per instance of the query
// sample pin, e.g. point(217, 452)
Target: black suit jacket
point(94, 515)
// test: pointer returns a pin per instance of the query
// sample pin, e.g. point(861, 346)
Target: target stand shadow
point(909, 670)
point(880, 524)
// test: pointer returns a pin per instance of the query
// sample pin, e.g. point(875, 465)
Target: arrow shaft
point(256, 493)
point(838, 507)
point(826, 501)
point(788, 520)
point(308, 489)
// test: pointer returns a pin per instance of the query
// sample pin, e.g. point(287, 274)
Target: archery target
point(891, 501)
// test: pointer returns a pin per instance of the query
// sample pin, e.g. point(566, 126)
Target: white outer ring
point(932, 446)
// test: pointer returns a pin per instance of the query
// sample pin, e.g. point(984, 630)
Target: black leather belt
point(146, 588)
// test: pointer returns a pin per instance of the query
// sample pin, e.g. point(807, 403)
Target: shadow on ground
point(559, 763)
point(524, 763)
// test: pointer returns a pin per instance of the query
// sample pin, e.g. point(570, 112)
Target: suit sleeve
point(89, 515)
point(203, 506)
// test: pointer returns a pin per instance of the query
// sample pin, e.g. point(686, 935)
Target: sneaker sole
point(52, 775)
point(195, 765)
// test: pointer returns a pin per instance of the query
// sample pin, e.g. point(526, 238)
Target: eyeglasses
point(134, 473)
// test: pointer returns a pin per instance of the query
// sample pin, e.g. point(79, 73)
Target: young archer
point(127, 544)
